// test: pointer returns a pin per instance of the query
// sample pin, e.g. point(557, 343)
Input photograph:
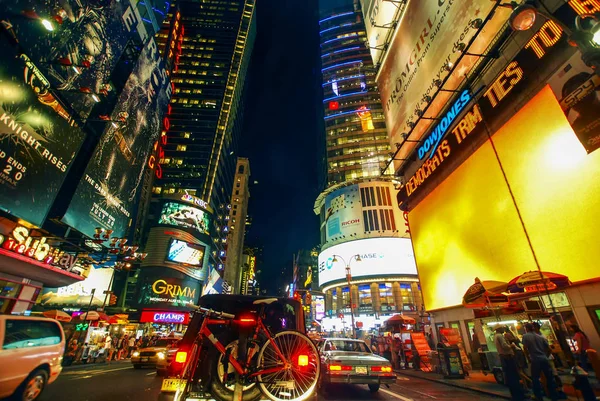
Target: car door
point(26, 344)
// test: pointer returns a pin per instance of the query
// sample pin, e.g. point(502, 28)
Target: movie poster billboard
point(79, 43)
point(82, 293)
point(426, 47)
point(185, 216)
point(38, 139)
point(161, 288)
point(108, 192)
point(576, 87)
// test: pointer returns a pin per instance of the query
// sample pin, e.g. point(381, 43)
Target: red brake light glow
point(181, 357)
point(384, 369)
point(339, 368)
point(302, 360)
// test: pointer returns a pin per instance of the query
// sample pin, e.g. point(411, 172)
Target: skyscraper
point(356, 136)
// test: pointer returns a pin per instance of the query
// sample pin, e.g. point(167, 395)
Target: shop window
point(387, 298)
point(345, 299)
point(364, 298)
point(408, 301)
point(30, 333)
point(595, 315)
point(334, 305)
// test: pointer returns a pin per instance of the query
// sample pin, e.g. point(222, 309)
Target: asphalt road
point(120, 382)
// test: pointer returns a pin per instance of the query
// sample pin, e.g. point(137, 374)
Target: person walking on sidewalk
point(583, 344)
point(509, 365)
point(537, 351)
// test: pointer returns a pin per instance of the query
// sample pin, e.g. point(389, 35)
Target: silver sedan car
point(345, 360)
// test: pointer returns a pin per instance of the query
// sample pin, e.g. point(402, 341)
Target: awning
point(22, 266)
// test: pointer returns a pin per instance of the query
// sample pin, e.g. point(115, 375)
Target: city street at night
point(121, 381)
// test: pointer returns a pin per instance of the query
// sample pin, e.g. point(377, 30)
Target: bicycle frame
point(241, 370)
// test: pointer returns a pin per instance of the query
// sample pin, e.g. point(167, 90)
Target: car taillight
point(384, 369)
point(302, 360)
point(181, 357)
point(339, 368)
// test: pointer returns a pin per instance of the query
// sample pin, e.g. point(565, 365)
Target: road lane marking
point(100, 372)
point(416, 391)
point(151, 373)
point(395, 395)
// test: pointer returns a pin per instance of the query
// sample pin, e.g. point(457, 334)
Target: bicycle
point(285, 366)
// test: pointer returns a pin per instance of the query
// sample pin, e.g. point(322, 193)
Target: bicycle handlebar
point(214, 313)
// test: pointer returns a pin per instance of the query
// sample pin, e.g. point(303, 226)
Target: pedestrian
point(583, 344)
point(395, 348)
point(509, 365)
point(131, 344)
point(70, 353)
point(109, 348)
point(537, 351)
point(85, 355)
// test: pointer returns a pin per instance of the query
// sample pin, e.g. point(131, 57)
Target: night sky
point(283, 130)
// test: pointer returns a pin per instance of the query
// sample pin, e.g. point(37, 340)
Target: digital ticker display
point(108, 193)
point(38, 139)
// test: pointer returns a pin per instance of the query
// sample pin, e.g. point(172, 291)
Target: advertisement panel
point(107, 194)
point(165, 317)
point(361, 210)
point(319, 307)
point(379, 16)
point(38, 140)
point(185, 216)
point(379, 257)
point(214, 284)
point(458, 234)
point(80, 294)
point(576, 87)
point(165, 292)
point(425, 47)
point(186, 253)
point(78, 42)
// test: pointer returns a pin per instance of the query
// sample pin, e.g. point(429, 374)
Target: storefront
point(29, 261)
point(162, 322)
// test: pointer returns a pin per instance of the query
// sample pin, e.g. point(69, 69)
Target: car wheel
point(373, 388)
point(137, 366)
point(32, 387)
point(224, 390)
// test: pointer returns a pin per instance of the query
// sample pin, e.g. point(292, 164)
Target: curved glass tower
point(356, 136)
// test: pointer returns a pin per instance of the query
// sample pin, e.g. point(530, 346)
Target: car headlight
point(135, 354)
point(160, 355)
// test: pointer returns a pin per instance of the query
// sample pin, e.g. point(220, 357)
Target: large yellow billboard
point(469, 226)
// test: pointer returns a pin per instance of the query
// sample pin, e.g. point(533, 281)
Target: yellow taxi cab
point(154, 355)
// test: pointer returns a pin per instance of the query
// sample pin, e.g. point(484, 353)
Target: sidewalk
point(486, 384)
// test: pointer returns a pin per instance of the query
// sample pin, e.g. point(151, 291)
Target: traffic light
point(112, 300)
point(297, 296)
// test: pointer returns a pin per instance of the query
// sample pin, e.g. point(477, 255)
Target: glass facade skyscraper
point(356, 137)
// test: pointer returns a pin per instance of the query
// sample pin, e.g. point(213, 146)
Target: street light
point(348, 279)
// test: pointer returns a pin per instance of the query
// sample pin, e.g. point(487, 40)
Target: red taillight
point(384, 369)
point(181, 357)
point(246, 320)
point(339, 368)
point(302, 360)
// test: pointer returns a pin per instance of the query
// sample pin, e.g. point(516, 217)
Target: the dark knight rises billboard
point(109, 190)
point(78, 42)
point(38, 140)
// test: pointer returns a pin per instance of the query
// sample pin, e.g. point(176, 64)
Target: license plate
point(173, 385)
point(361, 370)
point(144, 359)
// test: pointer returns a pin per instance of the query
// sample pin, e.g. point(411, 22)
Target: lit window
point(182, 148)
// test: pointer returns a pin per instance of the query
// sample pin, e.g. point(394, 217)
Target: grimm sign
point(37, 248)
point(161, 287)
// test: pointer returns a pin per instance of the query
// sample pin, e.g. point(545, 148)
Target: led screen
point(469, 227)
point(162, 289)
point(109, 190)
point(81, 293)
point(38, 140)
point(379, 256)
point(80, 43)
point(185, 216)
point(184, 252)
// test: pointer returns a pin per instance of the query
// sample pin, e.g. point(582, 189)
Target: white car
point(31, 353)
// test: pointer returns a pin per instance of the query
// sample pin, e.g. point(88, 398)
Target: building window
point(408, 301)
point(364, 298)
point(345, 298)
point(387, 298)
point(237, 192)
point(241, 169)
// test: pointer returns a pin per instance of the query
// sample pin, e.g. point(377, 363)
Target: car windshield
point(164, 343)
point(349, 346)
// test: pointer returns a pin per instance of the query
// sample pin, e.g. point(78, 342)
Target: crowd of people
point(107, 349)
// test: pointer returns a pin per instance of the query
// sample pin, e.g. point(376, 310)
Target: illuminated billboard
point(162, 288)
point(107, 194)
point(78, 42)
point(38, 140)
point(81, 293)
point(186, 253)
point(378, 257)
point(459, 234)
point(185, 216)
point(422, 52)
point(379, 17)
point(361, 211)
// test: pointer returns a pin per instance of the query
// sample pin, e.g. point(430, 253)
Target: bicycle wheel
point(299, 370)
point(222, 385)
